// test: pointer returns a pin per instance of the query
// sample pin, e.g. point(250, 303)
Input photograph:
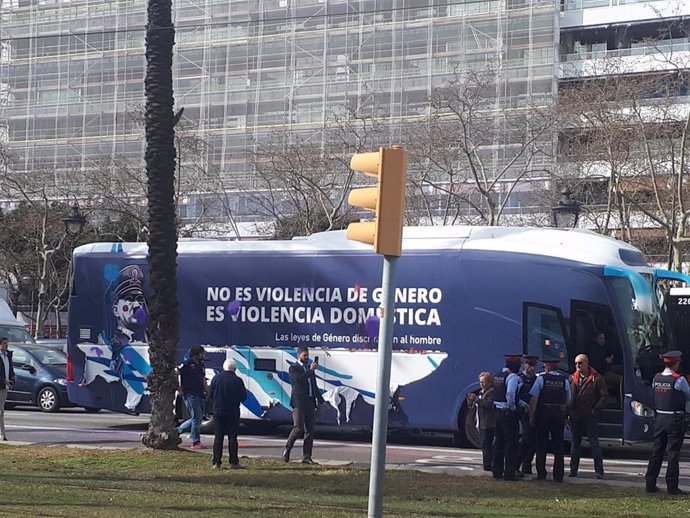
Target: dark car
point(54, 343)
point(41, 374)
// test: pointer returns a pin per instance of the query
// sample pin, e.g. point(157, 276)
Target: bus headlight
point(641, 410)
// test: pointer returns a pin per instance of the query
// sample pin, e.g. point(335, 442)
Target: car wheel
point(47, 400)
point(92, 410)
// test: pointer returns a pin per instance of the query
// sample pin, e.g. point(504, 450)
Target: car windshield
point(50, 357)
point(16, 335)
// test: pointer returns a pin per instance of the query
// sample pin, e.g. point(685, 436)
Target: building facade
point(72, 71)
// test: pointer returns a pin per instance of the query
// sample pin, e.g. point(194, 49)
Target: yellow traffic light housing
point(387, 199)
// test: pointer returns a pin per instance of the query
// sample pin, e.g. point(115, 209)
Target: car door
point(25, 375)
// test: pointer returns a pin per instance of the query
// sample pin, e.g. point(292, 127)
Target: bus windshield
point(645, 331)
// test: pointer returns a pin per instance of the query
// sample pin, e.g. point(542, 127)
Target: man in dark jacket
point(227, 393)
point(304, 399)
point(193, 389)
point(6, 381)
point(587, 397)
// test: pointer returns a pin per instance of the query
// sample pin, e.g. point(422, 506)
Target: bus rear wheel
point(471, 430)
point(207, 426)
point(467, 434)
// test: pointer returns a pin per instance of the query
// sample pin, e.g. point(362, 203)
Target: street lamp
point(567, 211)
point(74, 222)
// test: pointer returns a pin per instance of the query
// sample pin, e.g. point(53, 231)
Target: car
point(40, 378)
point(59, 344)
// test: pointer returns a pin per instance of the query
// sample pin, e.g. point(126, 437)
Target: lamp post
point(74, 222)
point(566, 213)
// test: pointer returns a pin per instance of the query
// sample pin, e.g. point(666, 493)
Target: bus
point(465, 297)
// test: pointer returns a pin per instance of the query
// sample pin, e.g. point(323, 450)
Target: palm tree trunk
point(163, 330)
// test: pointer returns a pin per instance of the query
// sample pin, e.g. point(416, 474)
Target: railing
point(647, 50)
point(578, 5)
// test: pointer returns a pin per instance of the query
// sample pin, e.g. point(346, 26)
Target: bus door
point(267, 382)
point(594, 333)
point(544, 334)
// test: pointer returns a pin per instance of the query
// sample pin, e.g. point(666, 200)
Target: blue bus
point(466, 296)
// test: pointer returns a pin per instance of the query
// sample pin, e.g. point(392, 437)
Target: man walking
point(587, 397)
point(671, 392)
point(528, 375)
point(228, 393)
point(193, 389)
point(506, 387)
point(6, 381)
point(304, 399)
point(550, 395)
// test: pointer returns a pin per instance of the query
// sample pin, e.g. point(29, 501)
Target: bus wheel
point(207, 426)
point(467, 435)
point(471, 430)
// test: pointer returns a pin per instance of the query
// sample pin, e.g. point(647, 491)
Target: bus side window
point(544, 333)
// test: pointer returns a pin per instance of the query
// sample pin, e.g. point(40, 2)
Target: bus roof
point(575, 245)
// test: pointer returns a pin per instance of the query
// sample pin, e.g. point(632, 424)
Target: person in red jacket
point(587, 397)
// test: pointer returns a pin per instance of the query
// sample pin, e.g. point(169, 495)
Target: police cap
point(672, 356)
point(550, 361)
point(529, 360)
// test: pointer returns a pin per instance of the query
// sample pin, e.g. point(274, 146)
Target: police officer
point(671, 391)
point(506, 387)
point(549, 397)
point(528, 376)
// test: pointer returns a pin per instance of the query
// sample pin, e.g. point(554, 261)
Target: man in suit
point(6, 381)
point(304, 399)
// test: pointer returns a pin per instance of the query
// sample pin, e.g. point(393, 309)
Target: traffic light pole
point(383, 377)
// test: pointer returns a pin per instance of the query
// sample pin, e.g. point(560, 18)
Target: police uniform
point(551, 391)
point(506, 387)
point(671, 392)
point(526, 447)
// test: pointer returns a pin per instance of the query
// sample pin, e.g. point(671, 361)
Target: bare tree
point(470, 155)
point(34, 238)
point(301, 185)
point(631, 133)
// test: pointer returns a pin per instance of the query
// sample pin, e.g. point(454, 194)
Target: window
point(16, 335)
point(544, 335)
point(19, 358)
point(264, 364)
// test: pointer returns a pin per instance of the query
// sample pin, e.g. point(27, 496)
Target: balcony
point(586, 13)
point(635, 60)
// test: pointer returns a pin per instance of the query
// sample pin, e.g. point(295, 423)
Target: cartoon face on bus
point(126, 295)
point(125, 331)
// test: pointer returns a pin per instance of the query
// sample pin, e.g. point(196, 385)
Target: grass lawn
point(49, 482)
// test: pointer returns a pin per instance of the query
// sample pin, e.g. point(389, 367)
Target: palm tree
point(163, 329)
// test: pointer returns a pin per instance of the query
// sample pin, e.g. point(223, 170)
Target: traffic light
point(387, 199)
